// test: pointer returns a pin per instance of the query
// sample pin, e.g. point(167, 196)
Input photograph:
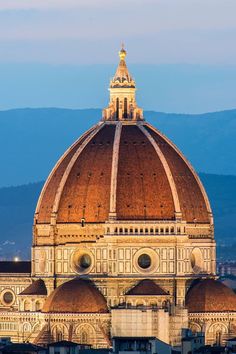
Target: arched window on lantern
point(125, 108)
point(117, 108)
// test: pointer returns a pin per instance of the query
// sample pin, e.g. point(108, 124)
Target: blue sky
point(63, 52)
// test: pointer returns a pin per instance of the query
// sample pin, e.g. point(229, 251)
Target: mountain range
point(33, 139)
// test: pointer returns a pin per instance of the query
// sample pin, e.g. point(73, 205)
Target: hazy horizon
point(175, 88)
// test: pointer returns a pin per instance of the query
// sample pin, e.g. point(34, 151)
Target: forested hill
point(17, 205)
point(33, 139)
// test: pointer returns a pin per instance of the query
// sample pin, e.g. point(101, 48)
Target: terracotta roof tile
point(210, 296)
point(147, 287)
point(77, 296)
point(143, 189)
point(36, 288)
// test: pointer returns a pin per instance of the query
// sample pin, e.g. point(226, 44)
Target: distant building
point(226, 268)
point(231, 345)
point(191, 342)
point(139, 345)
point(67, 347)
point(208, 349)
point(123, 242)
point(21, 348)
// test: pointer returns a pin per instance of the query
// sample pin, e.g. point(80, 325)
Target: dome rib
point(183, 158)
point(166, 169)
point(143, 190)
point(57, 166)
point(114, 170)
point(70, 166)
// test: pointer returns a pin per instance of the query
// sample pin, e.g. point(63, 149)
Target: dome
point(147, 287)
point(77, 296)
point(38, 287)
point(124, 169)
point(210, 296)
point(150, 178)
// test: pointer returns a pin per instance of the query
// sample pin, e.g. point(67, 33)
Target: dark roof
point(146, 287)
point(210, 349)
point(36, 288)
point(173, 351)
point(134, 338)
point(186, 339)
point(15, 267)
point(63, 343)
point(22, 348)
point(95, 351)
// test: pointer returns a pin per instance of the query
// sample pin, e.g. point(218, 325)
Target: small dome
point(78, 296)
point(36, 288)
point(146, 287)
point(210, 296)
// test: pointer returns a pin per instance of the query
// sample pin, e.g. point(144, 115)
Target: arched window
point(153, 304)
point(125, 108)
point(26, 328)
point(59, 336)
point(38, 305)
point(85, 334)
point(117, 108)
point(83, 338)
point(218, 338)
point(164, 304)
point(27, 305)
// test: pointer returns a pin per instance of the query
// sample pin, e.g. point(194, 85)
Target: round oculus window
point(8, 298)
point(144, 261)
point(84, 261)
